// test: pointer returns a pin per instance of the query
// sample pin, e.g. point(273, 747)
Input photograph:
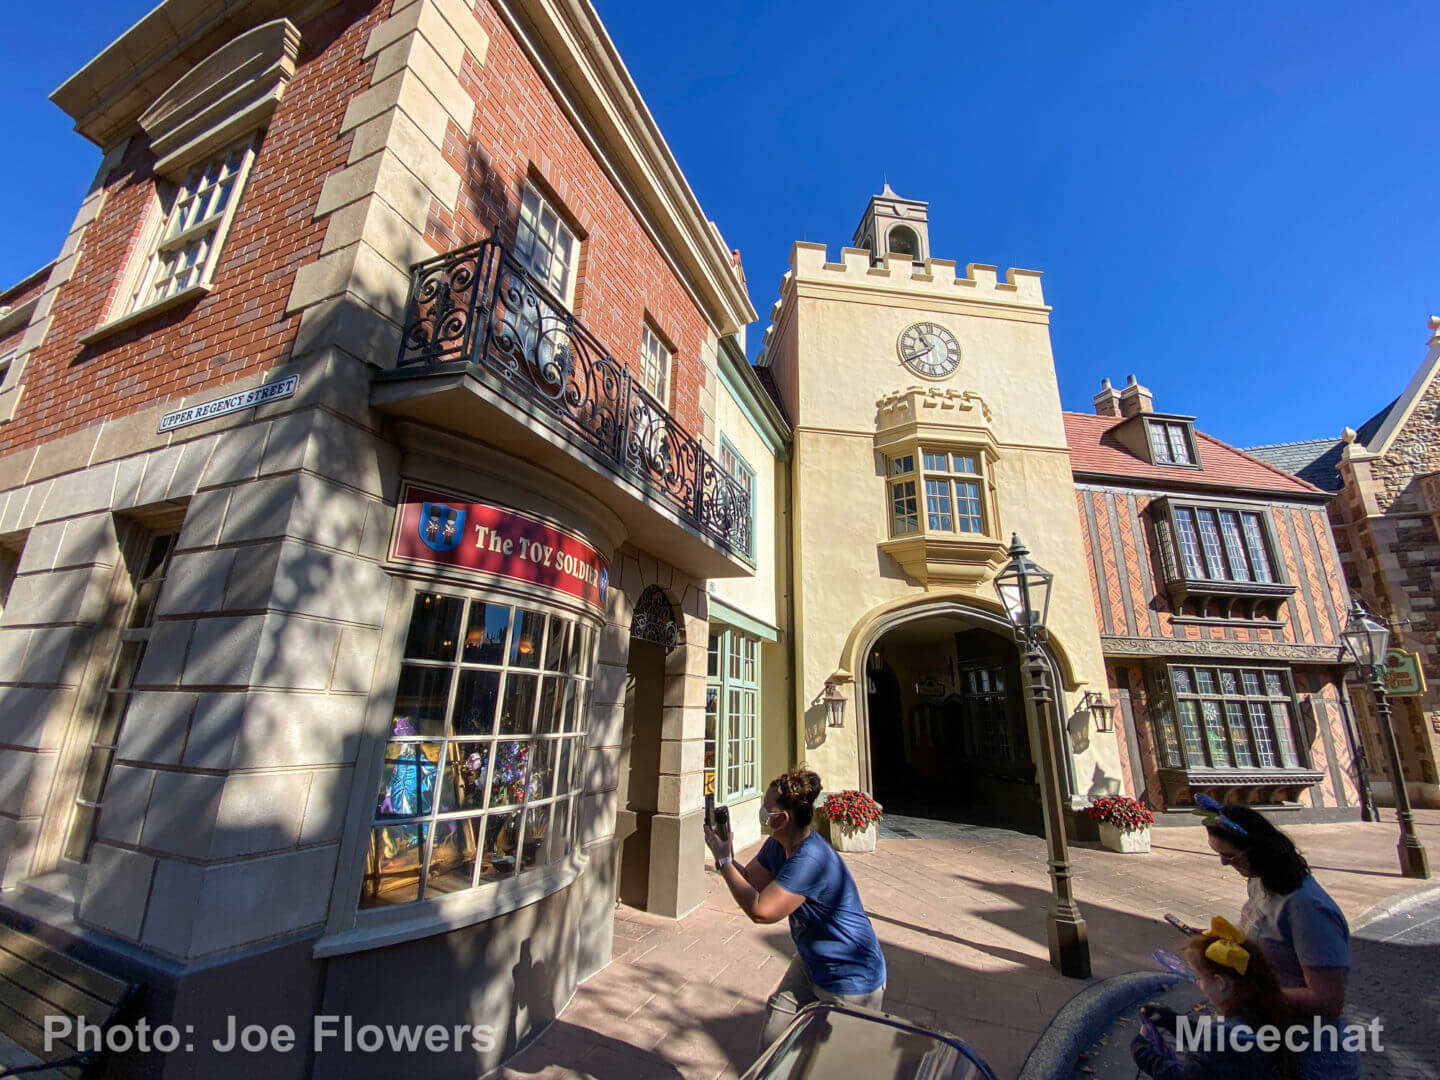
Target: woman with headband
point(1301, 929)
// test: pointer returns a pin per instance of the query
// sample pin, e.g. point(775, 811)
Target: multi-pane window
point(545, 244)
point(147, 577)
point(732, 697)
point(1231, 718)
point(740, 471)
point(654, 365)
point(1223, 545)
point(201, 209)
point(1170, 443)
point(983, 690)
point(485, 749)
point(953, 493)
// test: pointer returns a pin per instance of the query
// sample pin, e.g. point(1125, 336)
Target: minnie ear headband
point(1227, 947)
point(1214, 814)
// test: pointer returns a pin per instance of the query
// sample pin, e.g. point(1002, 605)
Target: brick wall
point(239, 328)
point(21, 293)
point(521, 132)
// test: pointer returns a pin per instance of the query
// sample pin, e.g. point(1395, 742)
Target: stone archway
point(979, 614)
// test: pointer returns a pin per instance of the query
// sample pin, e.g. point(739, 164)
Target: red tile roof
point(1095, 451)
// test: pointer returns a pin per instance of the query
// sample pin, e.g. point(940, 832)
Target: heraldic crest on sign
point(441, 526)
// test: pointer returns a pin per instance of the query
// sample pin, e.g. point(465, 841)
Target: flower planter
point(1135, 842)
point(843, 839)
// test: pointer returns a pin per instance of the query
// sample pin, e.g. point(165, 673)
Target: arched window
point(903, 241)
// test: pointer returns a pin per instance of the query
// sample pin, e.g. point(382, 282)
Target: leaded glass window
point(1222, 545)
point(1234, 718)
point(953, 490)
point(1170, 442)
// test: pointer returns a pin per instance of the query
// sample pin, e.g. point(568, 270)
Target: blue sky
point(1237, 205)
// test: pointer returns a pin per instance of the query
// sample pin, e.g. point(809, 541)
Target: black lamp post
point(1024, 588)
point(1368, 639)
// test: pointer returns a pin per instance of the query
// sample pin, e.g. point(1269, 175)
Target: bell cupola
point(894, 226)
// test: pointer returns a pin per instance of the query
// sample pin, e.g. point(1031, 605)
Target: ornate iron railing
point(479, 305)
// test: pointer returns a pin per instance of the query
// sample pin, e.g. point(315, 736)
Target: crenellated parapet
point(980, 283)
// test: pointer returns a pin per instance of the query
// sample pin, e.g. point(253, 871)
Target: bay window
point(954, 489)
point(483, 758)
point(1230, 718)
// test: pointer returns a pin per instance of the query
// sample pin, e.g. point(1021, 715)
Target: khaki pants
point(795, 992)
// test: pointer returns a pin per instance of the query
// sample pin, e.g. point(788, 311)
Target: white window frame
point(169, 232)
point(921, 491)
point(656, 360)
point(732, 703)
point(546, 245)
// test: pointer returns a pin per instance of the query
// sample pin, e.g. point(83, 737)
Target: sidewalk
point(960, 912)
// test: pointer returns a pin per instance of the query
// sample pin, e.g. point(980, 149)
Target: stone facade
point(1386, 517)
point(234, 828)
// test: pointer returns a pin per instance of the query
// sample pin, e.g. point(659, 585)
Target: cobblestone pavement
point(960, 912)
point(1397, 978)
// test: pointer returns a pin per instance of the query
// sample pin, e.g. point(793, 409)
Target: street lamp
point(1024, 588)
point(1368, 640)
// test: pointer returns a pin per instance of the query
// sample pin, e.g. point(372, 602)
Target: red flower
point(1124, 813)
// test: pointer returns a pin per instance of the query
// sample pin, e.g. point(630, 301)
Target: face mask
point(764, 817)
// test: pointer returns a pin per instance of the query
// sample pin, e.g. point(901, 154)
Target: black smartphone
point(1184, 928)
point(710, 811)
point(722, 822)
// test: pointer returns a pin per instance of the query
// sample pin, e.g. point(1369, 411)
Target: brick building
point(340, 598)
point(1220, 601)
point(1385, 476)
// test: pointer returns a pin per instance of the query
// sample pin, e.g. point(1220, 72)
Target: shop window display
point(482, 766)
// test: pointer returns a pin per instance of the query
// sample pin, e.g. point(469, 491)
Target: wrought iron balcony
point(480, 307)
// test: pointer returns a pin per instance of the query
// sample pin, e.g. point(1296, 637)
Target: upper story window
point(953, 487)
point(741, 472)
point(7, 361)
point(546, 245)
point(204, 131)
point(200, 211)
point(654, 365)
point(1171, 442)
point(1223, 545)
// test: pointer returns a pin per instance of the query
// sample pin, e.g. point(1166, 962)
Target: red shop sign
point(447, 530)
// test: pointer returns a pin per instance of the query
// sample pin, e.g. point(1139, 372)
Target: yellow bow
point(1228, 948)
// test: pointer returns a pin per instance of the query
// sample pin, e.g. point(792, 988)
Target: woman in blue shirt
point(797, 875)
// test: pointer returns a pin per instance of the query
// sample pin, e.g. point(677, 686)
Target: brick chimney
point(1135, 399)
point(1107, 401)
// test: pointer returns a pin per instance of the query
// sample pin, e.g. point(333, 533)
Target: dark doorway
point(948, 733)
point(639, 793)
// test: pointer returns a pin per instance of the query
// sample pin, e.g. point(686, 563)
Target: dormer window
point(1172, 442)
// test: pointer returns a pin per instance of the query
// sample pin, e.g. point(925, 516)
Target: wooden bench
point(36, 981)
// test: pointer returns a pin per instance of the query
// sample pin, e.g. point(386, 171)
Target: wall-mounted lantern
point(1102, 710)
point(834, 701)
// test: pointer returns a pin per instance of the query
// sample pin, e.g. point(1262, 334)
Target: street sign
point(1403, 674)
point(245, 399)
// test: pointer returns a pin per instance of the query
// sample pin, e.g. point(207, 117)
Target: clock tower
point(894, 226)
point(927, 430)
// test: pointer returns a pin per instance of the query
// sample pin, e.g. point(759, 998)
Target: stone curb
point(1086, 1017)
point(1397, 905)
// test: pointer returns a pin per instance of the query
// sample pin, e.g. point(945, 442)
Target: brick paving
point(960, 914)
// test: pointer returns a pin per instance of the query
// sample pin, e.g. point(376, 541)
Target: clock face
point(929, 350)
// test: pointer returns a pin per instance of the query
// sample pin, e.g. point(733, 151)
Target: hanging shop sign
point(444, 529)
point(1403, 675)
point(246, 399)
